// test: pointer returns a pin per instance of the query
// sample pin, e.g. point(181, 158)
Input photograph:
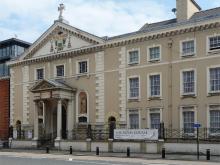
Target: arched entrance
point(112, 126)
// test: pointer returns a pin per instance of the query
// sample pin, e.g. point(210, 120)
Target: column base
point(57, 142)
point(35, 143)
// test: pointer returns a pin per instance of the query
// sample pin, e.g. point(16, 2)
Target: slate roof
point(197, 17)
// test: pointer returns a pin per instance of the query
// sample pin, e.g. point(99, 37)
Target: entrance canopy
point(52, 89)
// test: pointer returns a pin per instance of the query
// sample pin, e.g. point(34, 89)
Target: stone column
point(59, 119)
point(70, 119)
point(36, 128)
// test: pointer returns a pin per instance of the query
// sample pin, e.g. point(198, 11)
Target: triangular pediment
point(45, 85)
point(42, 85)
point(60, 37)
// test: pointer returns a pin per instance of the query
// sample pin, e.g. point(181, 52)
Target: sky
point(28, 19)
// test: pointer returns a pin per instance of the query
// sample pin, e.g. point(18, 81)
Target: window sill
point(154, 98)
point(217, 93)
point(211, 52)
point(154, 61)
point(192, 95)
point(82, 75)
point(183, 56)
point(133, 64)
point(133, 99)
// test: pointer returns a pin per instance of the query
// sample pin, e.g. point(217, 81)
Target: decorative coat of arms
point(60, 40)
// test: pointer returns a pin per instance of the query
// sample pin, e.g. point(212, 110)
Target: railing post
point(128, 151)
point(89, 132)
point(97, 151)
point(71, 150)
point(163, 153)
point(47, 150)
point(208, 154)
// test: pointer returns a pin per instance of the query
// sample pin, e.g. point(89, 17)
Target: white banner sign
point(136, 134)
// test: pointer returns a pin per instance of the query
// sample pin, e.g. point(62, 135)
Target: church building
point(165, 72)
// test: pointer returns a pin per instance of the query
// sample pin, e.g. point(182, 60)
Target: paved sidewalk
point(116, 155)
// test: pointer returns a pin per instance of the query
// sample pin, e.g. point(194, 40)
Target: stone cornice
point(122, 42)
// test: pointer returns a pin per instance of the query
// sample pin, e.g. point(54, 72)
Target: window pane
point(188, 121)
point(60, 70)
point(155, 85)
point(134, 120)
point(188, 82)
point(188, 47)
point(134, 87)
point(214, 119)
point(155, 120)
point(154, 53)
point(133, 57)
point(83, 67)
point(214, 43)
point(214, 79)
point(40, 74)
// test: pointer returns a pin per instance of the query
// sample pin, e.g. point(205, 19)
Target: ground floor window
point(133, 119)
point(188, 120)
point(214, 118)
point(155, 118)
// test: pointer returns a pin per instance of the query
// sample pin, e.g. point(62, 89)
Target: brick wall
point(4, 108)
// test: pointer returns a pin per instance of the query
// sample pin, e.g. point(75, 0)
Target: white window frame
point(77, 66)
point(148, 53)
point(149, 85)
point(150, 110)
point(55, 70)
point(128, 56)
point(128, 115)
point(182, 86)
point(182, 55)
point(194, 109)
point(208, 119)
point(209, 92)
point(35, 73)
point(128, 88)
point(208, 43)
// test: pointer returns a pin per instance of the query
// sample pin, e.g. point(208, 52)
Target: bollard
point(97, 150)
point(71, 150)
point(128, 152)
point(208, 154)
point(47, 150)
point(163, 153)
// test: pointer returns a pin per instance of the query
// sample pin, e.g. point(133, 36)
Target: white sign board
point(136, 134)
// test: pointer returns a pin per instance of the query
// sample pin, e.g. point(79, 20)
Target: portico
point(54, 110)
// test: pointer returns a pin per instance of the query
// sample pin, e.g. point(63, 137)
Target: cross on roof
point(60, 9)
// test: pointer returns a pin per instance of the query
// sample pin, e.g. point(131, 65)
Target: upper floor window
point(83, 67)
point(214, 79)
point(214, 43)
point(155, 85)
point(188, 48)
point(188, 78)
point(134, 88)
point(133, 57)
point(154, 53)
point(40, 74)
point(60, 70)
point(133, 119)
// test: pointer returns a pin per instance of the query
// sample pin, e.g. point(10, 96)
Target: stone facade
point(135, 80)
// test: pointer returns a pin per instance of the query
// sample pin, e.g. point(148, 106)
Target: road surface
point(12, 158)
